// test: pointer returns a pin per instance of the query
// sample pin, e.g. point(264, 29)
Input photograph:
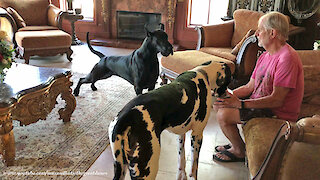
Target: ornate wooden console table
point(27, 95)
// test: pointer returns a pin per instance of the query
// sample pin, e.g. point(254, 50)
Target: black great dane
point(178, 107)
point(140, 68)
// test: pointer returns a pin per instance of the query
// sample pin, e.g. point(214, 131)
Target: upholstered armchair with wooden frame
point(230, 42)
point(220, 42)
point(35, 28)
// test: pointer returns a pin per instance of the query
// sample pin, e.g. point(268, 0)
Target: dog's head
point(159, 40)
point(218, 75)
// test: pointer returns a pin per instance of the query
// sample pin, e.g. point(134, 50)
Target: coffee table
point(29, 94)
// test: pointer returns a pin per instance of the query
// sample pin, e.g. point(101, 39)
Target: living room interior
point(80, 149)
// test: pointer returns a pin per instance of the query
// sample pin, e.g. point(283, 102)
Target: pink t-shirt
point(283, 69)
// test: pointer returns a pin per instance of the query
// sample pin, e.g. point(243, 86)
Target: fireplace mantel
point(166, 8)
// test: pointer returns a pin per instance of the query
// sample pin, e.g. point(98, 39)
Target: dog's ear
point(161, 26)
point(149, 33)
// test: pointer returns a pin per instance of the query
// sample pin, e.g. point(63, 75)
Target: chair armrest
point(10, 30)
point(218, 35)
point(55, 16)
point(310, 130)
point(306, 130)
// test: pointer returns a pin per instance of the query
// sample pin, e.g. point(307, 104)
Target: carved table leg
point(7, 142)
point(66, 94)
point(9, 150)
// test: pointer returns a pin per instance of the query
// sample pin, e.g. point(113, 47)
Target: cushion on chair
point(34, 12)
point(311, 81)
point(220, 52)
point(236, 49)
point(259, 134)
point(218, 35)
point(244, 20)
point(311, 68)
point(182, 61)
point(38, 28)
point(311, 98)
point(43, 39)
point(19, 20)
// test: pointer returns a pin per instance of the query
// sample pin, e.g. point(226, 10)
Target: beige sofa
point(35, 28)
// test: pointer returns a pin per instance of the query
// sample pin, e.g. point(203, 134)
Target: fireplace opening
point(130, 25)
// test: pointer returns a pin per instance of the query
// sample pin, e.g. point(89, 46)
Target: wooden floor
point(102, 169)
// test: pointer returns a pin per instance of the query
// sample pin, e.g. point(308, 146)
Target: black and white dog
point(180, 106)
point(140, 68)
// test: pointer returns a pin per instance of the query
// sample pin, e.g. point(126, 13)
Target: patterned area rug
point(51, 149)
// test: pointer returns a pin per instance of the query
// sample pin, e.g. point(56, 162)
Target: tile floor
point(83, 61)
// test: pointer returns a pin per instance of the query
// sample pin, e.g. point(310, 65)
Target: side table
point(29, 94)
point(72, 18)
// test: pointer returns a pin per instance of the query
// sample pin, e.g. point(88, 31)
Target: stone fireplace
point(131, 25)
point(164, 7)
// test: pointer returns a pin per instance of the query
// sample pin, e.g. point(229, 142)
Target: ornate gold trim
point(243, 4)
point(37, 105)
point(31, 107)
point(105, 12)
point(171, 13)
point(7, 144)
point(265, 5)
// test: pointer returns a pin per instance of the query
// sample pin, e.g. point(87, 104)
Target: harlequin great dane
point(140, 68)
point(180, 106)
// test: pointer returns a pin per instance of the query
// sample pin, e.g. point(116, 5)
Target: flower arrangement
point(6, 54)
point(316, 45)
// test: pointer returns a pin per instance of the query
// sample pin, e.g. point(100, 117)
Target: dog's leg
point(93, 87)
point(196, 142)
point(138, 89)
point(149, 167)
point(151, 87)
point(181, 159)
point(119, 171)
point(77, 89)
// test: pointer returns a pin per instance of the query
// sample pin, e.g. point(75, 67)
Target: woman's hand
point(230, 101)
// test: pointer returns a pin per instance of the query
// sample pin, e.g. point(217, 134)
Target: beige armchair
point(229, 42)
point(35, 28)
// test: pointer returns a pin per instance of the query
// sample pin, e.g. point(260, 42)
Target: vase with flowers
point(6, 55)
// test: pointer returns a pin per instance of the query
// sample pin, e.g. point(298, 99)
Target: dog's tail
point(92, 50)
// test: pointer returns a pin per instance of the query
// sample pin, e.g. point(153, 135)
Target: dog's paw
point(76, 92)
point(181, 175)
point(94, 88)
point(192, 177)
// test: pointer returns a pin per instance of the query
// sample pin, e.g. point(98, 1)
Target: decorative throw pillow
point(236, 49)
point(19, 20)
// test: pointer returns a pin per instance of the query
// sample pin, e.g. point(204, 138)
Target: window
point(86, 7)
point(204, 12)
